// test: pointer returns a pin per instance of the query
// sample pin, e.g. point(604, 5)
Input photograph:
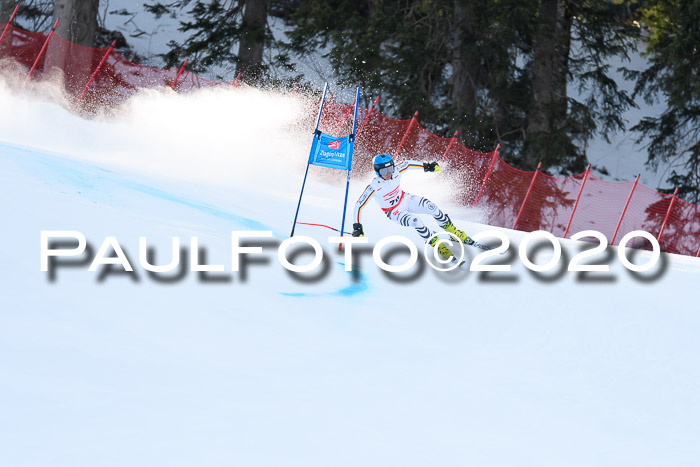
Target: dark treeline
point(499, 71)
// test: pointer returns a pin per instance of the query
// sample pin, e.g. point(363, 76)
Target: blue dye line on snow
point(85, 176)
point(202, 207)
point(362, 285)
point(353, 289)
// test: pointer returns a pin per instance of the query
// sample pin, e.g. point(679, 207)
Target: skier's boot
point(450, 227)
point(442, 249)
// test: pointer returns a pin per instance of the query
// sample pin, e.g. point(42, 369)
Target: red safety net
point(116, 81)
point(511, 198)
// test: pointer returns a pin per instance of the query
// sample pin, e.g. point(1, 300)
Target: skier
point(402, 207)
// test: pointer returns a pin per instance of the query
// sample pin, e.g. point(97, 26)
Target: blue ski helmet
point(382, 161)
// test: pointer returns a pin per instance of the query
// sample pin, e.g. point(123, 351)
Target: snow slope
point(107, 368)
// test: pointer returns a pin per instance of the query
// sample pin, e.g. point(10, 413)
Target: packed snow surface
point(341, 368)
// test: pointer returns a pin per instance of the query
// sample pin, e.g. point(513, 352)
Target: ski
point(478, 245)
point(482, 246)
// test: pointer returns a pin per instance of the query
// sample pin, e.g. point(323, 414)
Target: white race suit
point(399, 206)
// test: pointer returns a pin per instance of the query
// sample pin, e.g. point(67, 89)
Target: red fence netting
point(485, 180)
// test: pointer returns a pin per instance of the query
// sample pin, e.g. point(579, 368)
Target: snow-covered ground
point(262, 369)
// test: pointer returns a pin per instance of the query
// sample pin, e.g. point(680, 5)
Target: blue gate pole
point(318, 122)
point(352, 149)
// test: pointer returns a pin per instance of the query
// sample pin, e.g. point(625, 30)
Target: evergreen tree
point(38, 16)
point(673, 51)
point(572, 44)
point(6, 9)
point(489, 84)
point(547, 139)
point(497, 70)
point(78, 26)
point(215, 28)
point(398, 49)
point(252, 40)
point(78, 20)
point(33, 15)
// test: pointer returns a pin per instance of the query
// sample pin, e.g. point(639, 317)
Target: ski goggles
point(386, 170)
